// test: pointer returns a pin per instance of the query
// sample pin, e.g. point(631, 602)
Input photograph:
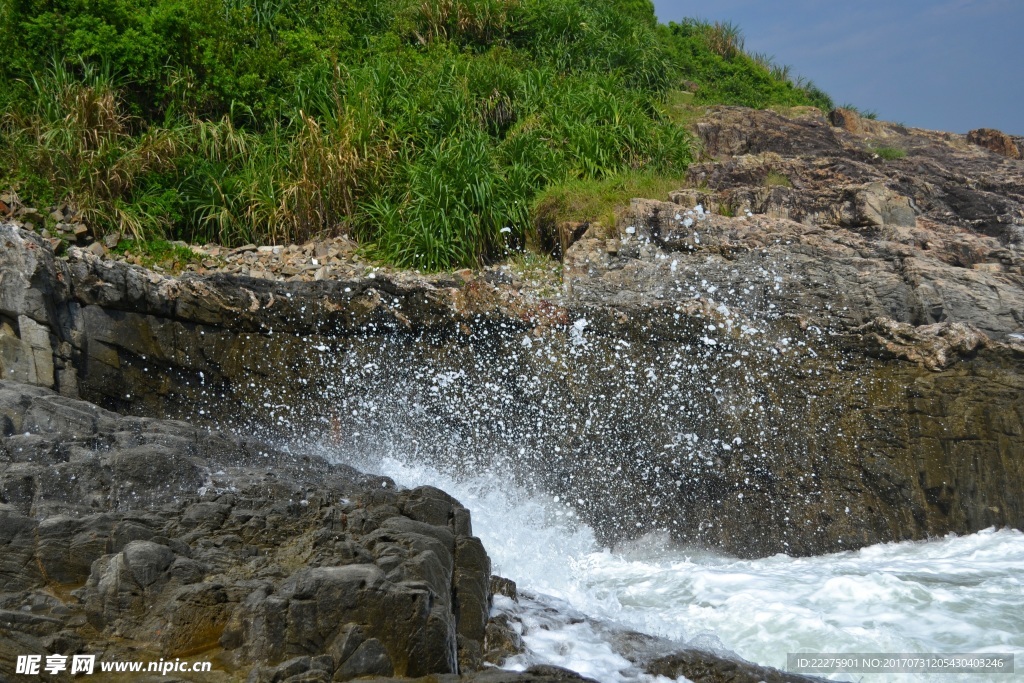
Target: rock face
point(37, 319)
point(995, 141)
point(911, 271)
point(814, 345)
point(135, 538)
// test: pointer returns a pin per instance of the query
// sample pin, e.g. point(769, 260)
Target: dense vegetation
point(426, 128)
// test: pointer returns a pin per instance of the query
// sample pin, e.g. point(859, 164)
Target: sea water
point(946, 595)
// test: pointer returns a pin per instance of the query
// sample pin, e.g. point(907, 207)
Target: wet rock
point(826, 268)
point(703, 667)
point(502, 586)
point(503, 640)
point(936, 347)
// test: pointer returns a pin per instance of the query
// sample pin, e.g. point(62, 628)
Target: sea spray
point(954, 594)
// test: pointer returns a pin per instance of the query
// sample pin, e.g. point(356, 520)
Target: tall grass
point(725, 39)
point(425, 128)
point(74, 138)
point(713, 55)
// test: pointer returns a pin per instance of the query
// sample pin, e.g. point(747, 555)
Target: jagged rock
point(936, 347)
point(732, 131)
point(994, 141)
point(845, 118)
point(182, 540)
point(838, 277)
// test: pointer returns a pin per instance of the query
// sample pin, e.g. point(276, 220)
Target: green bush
point(425, 128)
point(889, 153)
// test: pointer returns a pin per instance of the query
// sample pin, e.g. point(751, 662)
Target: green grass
point(161, 253)
point(889, 153)
point(712, 56)
point(776, 179)
point(597, 201)
point(430, 130)
point(679, 107)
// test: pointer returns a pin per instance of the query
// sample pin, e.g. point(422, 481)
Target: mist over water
point(955, 594)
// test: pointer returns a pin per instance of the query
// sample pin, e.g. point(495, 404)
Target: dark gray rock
point(370, 658)
point(39, 337)
point(170, 541)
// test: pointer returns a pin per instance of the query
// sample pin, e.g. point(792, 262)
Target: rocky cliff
point(814, 344)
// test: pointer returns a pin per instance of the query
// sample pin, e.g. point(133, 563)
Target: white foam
point(957, 594)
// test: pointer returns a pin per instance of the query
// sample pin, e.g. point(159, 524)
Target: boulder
point(994, 141)
point(173, 544)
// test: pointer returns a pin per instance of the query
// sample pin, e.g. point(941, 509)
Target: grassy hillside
point(428, 129)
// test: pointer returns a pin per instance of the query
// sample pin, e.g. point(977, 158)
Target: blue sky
point(947, 64)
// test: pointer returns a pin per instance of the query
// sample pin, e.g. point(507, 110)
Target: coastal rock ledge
point(145, 539)
point(135, 539)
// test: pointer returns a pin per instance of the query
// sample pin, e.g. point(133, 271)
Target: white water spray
point(957, 594)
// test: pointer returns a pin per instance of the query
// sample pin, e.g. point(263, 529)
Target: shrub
point(889, 153)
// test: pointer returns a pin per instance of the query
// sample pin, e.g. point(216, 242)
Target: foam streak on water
point(957, 594)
